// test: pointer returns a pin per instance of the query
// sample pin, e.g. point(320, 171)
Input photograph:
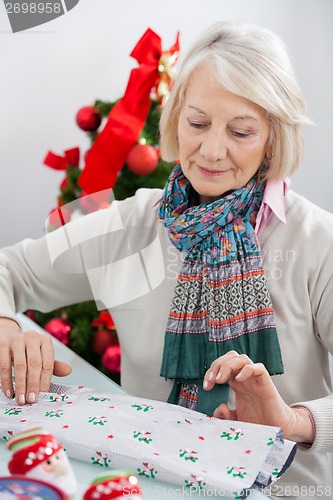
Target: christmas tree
point(124, 159)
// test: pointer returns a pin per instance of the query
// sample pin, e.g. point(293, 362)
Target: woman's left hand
point(257, 399)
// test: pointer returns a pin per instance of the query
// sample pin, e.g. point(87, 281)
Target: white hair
point(253, 63)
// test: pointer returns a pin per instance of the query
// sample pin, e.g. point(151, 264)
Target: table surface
point(85, 374)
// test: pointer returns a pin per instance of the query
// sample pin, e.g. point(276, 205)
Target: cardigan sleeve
point(29, 281)
point(322, 413)
point(321, 291)
point(52, 271)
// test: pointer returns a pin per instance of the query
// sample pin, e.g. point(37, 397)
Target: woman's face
point(223, 138)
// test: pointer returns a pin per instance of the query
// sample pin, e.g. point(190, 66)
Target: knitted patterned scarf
point(221, 301)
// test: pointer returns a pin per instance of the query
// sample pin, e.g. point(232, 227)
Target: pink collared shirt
point(272, 203)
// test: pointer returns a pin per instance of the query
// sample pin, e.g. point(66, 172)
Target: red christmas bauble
point(111, 358)
point(31, 314)
point(59, 328)
point(142, 159)
point(88, 118)
point(102, 339)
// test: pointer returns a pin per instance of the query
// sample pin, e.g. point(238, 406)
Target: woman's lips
point(211, 173)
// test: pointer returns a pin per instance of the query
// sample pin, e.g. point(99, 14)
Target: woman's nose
point(213, 146)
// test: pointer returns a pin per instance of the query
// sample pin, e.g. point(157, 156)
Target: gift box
point(155, 439)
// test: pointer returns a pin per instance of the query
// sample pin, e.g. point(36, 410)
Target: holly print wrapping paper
point(154, 439)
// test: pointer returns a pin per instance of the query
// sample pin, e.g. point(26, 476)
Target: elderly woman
point(242, 327)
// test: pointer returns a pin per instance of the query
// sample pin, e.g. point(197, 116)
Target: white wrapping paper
point(154, 439)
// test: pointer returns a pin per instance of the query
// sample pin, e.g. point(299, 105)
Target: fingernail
point(219, 375)
point(8, 393)
point(210, 375)
point(205, 384)
point(21, 398)
point(32, 397)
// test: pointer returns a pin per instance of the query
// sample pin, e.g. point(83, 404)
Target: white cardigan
point(127, 251)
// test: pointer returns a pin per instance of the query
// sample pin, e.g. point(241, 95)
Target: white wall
point(48, 73)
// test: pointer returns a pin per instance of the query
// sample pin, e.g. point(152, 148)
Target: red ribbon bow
point(70, 157)
point(104, 319)
point(126, 119)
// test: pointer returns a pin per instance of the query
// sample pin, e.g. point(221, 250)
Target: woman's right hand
point(32, 356)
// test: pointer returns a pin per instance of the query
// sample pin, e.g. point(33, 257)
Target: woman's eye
point(242, 135)
point(196, 124)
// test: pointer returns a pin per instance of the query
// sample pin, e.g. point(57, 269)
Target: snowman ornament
point(37, 454)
